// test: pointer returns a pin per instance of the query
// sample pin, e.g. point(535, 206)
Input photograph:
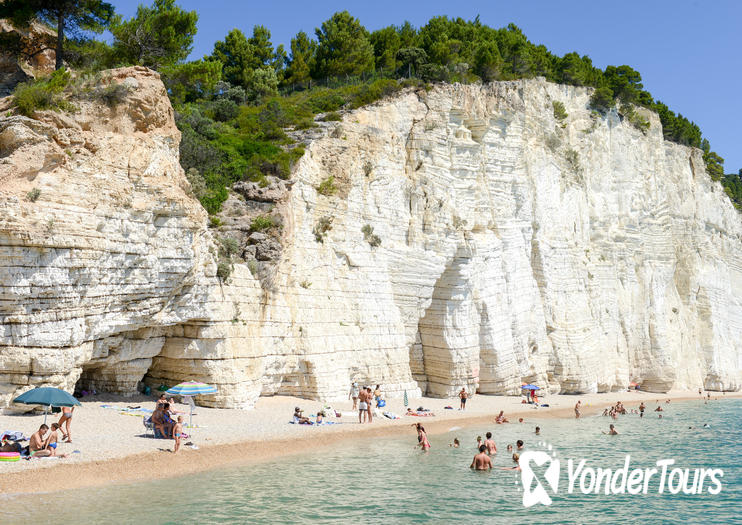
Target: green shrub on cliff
point(38, 95)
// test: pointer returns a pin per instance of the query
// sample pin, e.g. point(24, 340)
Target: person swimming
point(481, 461)
point(538, 431)
point(455, 443)
point(611, 430)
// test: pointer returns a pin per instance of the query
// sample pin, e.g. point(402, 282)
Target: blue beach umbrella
point(530, 387)
point(191, 388)
point(47, 396)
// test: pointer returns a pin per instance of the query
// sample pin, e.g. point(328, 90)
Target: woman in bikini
point(64, 422)
point(422, 437)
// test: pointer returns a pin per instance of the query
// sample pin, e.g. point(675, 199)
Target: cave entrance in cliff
point(449, 333)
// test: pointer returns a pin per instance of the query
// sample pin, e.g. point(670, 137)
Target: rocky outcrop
point(24, 53)
point(473, 241)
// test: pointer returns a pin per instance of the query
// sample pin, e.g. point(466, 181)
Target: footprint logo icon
point(534, 486)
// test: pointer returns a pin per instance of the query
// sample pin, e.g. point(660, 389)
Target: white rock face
point(511, 249)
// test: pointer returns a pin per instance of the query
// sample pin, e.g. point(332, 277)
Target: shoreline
point(160, 463)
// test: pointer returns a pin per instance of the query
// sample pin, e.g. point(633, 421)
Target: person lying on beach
point(481, 461)
point(489, 444)
point(501, 418)
point(319, 418)
point(299, 417)
point(455, 443)
point(611, 430)
point(516, 460)
point(37, 444)
point(178, 434)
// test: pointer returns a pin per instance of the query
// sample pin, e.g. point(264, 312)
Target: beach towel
point(391, 415)
point(13, 435)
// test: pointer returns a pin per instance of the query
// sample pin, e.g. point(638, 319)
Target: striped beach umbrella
point(191, 388)
point(406, 402)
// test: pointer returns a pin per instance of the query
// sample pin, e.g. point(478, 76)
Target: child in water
point(455, 443)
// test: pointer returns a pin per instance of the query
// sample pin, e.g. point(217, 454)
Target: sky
point(689, 52)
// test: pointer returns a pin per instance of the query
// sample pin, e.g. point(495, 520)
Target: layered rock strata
point(473, 240)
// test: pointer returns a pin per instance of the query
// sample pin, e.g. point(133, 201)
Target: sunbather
point(299, 417)
point(37, 444)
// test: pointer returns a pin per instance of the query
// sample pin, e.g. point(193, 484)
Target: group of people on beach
point(164, 422)
point(364, 399)
point(44, 442)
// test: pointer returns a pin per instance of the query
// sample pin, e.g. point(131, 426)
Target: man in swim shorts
point(577, 409)
point(481, 461)
point(463, 396)
point(37, 444)
point(641, 409)
point(362, 406)
point(489, 444)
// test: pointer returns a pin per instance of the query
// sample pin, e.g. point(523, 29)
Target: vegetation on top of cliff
point(235, 105)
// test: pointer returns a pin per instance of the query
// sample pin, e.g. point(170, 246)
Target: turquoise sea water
point(387, 480)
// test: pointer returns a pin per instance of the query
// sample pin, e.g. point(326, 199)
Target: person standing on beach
point(481, 461)
point(362, 406)
point(369, 404)
point(641, 409)
point(577, 409)
point(489, 444)
point(463, 396)
point(177, 433)
point(354, 395)
point(64, 422)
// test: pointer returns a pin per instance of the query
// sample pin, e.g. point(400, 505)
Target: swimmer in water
point(658, 409)
point(489, 443)
point(641, 409)
point(516, 460)
point(481, 461)
point(519, 444)
point(455, 443)
point(510, 448)
point(538, 431)
point(611, 430)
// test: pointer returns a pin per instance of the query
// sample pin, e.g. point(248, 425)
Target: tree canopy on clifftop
point(234, 104)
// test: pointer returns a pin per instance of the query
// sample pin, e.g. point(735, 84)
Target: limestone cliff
point(473, 241)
